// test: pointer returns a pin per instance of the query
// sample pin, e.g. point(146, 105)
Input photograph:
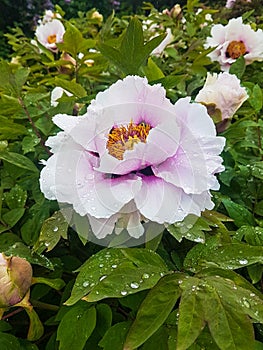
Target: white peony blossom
point(50, 33)
point(234, 40)
point(224, 92)
point(56, 93)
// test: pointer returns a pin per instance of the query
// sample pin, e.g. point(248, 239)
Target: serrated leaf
point(117, 273)
point(153, 311)
point(191, 316)
point(257, 170)
point(256, 99)
point(76, 327)
point(13, 216)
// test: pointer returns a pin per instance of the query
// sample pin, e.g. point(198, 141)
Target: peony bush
point(131, 168)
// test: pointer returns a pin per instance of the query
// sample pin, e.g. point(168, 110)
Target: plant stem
point(45, 306)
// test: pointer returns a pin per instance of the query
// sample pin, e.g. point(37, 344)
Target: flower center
point(52, 38)
point(236, 49)
point(123, 138)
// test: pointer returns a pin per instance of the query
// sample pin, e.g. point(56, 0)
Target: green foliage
point(197, 285)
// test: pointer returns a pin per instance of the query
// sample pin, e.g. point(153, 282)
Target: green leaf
point(115, 336)
point(12, 79)
point(154, 310)
point(238, 213)
point(29, 143)
point(257, 170)
point(256, 99)
point(55, 283)
point(19, 249)
point(13, 216)
point(191, 228)
point(117, 273)
point(223, 255)
point(16, 198)
point(160, 337)
point(152, 71)
point(73, 41)
point(229, 326)
point(8, 342)
point(18, 160)
point(238, 67)
point(76, 327)
point(36, 329)
point(191, 316)
point(52, 230)
point(71, 86)
point(10, 130)
point(104, 318)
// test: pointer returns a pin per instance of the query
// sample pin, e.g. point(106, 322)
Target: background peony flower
point(15, 280)
point(50, 33)
point(56, 94)
point(231, 3)
point(234, 40)
point(166, 41)
point(222, 92)
point(134, 157)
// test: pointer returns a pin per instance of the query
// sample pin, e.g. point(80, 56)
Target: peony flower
point(234, 40)
point(222, 92)
point(133, 158)
point(50, 33)
point(15, 280)
point(56, 94)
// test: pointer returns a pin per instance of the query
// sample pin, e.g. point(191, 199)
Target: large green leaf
point(18, 160)
point(225, 255)
point(117, 273)
point(115, 336)
point(8, 342)
point(154, 310)
point(76, 327)
point(191, 316)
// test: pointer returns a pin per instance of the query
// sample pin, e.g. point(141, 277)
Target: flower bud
point(15, 280)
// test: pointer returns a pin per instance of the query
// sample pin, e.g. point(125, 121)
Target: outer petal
point(159, 201)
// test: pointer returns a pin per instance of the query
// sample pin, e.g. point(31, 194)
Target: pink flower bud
point(15, 279)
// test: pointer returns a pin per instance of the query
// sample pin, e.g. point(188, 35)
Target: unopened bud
point(15, 280)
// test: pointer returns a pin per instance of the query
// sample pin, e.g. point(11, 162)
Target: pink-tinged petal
point(102, 227)
point(194, 117)
point(132, 89)
point(134, 226)
point(162, 142)
point(81, 128)
point(196, 203)
point(159, 201)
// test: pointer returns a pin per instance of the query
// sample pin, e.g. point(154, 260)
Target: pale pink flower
point(222, 92)
point(234, 40)
point(231, 3)
point(50, 33)
point(134, 157)
point(166, 41)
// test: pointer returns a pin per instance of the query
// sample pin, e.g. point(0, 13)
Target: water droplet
point(85, 284)
point(134, 285)
point(189, 226)
point(101, 265)
point(252, 294)
point(103, 277)
point(180, 281)
point(145, 276)
point(199, 240)
point(243, 261)
point(123, 292)
point(245, 302)
point(55, 229)
point(114, 266)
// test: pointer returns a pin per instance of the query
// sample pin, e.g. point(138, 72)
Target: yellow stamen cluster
point(236, 49)
point(52, 39)
point(124, 138)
